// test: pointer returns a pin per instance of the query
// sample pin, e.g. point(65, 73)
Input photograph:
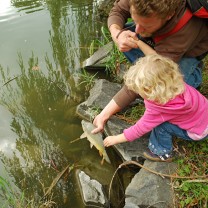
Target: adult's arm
point(119, 13)
point(124, 97)
point(118, 16)
point(123, 38)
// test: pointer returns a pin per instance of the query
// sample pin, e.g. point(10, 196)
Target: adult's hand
point(122, 38)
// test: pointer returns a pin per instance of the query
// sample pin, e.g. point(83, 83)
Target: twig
point(10, 80)
point(93, 205)
point(56, 180)
point(193, 181)
point(174, 196)
point(150, 170)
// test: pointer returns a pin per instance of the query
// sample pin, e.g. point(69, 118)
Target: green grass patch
point(131, 115)
point(87, 79)
point(192, 163)
point(115, 58)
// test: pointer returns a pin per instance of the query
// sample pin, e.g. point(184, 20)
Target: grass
point(16, 199)
point(115, 58)
point(87, 79)
point(10, 196)
point(191, 162)
point(132, 114)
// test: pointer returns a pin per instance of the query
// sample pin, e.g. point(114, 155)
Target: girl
point(173, 108)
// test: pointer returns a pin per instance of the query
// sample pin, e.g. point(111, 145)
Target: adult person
point(154, 18)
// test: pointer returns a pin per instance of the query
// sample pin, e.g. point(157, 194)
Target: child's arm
point(112, 140)
point(145, 48)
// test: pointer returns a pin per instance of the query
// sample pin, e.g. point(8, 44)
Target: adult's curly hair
point(162, 8)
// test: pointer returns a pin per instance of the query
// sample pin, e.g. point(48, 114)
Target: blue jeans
point(190, 67)
point(160, 141)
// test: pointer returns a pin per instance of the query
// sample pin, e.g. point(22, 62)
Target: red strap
point(202, 13)
point(184, 19)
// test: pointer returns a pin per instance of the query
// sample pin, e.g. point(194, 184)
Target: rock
point(92, 190)
point(130, 205)
point(147, 188)
point(98, 58)
point(85, 112)
point(100, 95)
point(102, 92)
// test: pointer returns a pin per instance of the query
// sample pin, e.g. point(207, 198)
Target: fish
point(94, 139)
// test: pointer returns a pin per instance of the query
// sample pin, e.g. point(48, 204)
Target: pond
point(42, 45)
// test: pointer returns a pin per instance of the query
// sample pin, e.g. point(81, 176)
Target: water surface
point(42, 45)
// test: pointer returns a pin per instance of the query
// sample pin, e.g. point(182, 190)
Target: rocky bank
point(146, 189)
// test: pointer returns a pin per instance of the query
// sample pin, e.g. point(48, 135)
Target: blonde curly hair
point(155, 78)
point(162, 8)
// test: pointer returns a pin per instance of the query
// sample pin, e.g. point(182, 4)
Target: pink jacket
point(189, 111)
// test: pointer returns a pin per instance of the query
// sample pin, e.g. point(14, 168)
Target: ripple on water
point(9, 11)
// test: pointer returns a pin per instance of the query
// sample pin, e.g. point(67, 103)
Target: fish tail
point(105, 156)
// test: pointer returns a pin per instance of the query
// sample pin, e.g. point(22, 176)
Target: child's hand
point(112, 140)
point(109, 141)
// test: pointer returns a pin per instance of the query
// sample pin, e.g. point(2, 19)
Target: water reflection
point(43, 128)
point(39, 94)
point(6, 12)
point(34, 102)
point(71, 33)
point(28, 6)
point(8, 137)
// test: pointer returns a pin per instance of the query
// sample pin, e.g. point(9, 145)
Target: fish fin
point(101, 154)
point(83, 136)
point(91, 145)
point(102, 161)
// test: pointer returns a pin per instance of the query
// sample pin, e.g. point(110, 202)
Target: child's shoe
point(151, 156)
